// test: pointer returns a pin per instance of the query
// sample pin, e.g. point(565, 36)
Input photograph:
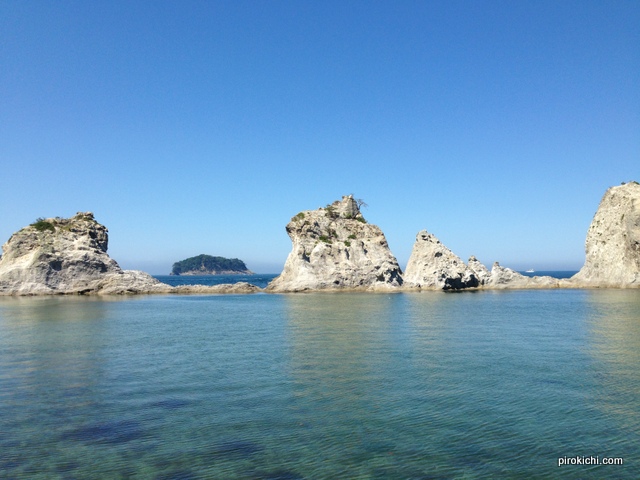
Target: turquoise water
point(421, 385)
point(259, 279)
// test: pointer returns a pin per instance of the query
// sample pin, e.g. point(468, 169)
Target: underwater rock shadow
point(106, 432)
point(235, 448)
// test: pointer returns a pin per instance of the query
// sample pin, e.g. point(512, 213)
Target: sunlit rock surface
point(612, 246)
point(433, 266)
point(64, 256)
point(334, 248)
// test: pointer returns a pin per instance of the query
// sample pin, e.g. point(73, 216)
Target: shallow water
point(259, 279)
point(413, 385)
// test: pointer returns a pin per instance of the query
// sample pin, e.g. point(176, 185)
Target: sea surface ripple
point(306, 386)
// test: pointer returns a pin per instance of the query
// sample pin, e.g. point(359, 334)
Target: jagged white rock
point(481, 272)
point(63, 256)
point(334, 248)
point(612, 245)
point(433, 266)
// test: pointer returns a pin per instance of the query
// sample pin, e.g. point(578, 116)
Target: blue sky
point(203, 127)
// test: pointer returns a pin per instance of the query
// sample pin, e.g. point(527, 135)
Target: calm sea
point(259, 280)
point(364, 386)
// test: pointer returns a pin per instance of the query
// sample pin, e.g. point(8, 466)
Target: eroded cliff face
point(334, 248)
point(433, 266)
point(63, 256)
point(612, 246)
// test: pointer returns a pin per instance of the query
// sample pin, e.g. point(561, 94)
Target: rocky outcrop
point(612, 246)
point(433, 266)
point(335, 248)
point(481, 272)
point(62, 256)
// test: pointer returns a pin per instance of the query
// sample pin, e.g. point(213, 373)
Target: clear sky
point(193, 127)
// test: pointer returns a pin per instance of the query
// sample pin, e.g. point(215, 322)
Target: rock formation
point(612, 246)
point(481, 272)
point(60, 256)
point(335, 248)
point(433, 266)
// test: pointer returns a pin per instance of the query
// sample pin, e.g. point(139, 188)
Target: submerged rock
point(65, 256)
point(503, 277)
point(612, 246)
point(335, 248)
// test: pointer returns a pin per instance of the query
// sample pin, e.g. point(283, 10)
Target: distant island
point(208, 265)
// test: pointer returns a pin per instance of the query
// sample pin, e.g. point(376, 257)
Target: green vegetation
point(324, 239)
point(347, 243)
point(299, 216)
point(207, 263)
point(42, 225)
point(352, 236)
point(331, 211)
point(361, 219)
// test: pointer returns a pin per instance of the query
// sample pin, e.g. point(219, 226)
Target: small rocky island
point(334, 248)
point(208, 265)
